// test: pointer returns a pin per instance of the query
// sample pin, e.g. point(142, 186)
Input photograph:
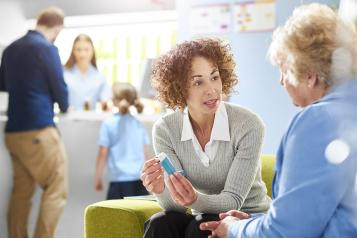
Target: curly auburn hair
point(170, 72)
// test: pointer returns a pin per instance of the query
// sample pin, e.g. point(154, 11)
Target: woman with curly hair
point(217, 144)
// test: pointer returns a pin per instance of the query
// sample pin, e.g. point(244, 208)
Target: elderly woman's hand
point(181, 190)
point(219, 229)
point(152, 176)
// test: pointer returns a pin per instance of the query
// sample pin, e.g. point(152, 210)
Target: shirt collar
point(76, 70)
point(220, 130)
point(341, 89)
point(37, 33)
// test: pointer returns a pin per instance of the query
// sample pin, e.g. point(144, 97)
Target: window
point(123, 42)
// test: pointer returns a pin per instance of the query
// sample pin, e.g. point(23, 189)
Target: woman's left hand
point(181, 190)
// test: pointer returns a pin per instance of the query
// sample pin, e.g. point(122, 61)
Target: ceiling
point(31, 8)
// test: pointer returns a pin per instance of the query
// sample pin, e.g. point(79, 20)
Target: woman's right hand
point(152, 176)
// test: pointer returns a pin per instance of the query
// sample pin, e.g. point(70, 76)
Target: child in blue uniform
point(123, 144)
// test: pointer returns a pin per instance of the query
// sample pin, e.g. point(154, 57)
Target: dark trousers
point(177, 225)
point(119, 190)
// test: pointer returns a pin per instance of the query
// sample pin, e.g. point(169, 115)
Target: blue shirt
point(31, 72)
point(125, 138)
point(314, 196)
point(91, 87)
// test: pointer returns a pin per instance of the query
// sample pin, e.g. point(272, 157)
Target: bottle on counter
point(104, 106)
point(86, 105)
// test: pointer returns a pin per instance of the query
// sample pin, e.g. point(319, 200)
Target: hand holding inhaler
point(167, 165)
point(181, 190)
point(152, 176)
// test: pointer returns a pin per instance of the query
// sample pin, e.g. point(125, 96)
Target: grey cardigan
point(233, 180)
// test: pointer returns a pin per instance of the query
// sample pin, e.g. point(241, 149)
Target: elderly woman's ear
point(312, 79)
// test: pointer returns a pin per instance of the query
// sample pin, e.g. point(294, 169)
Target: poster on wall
point(245, 15)
point(210, 19)
point(254, 16)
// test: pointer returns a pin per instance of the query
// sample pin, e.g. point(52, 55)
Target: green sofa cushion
point(268, 163)
point(118, 218)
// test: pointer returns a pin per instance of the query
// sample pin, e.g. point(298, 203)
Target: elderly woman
point(217, 144)
point(315, 186)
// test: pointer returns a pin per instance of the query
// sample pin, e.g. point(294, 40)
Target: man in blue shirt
point(31, 73)
point(315, 186)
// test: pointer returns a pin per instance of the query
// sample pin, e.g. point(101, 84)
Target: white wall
point(12, 22)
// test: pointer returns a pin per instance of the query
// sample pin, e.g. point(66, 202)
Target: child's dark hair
point(124, 96)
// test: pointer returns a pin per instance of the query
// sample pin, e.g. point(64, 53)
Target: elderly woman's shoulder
point(240, 114)
point(318, 113)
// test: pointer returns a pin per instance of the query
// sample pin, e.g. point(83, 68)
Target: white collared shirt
point(220, 132)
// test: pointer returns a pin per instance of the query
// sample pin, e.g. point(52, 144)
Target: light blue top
point(125, 138)
point(91, 86)
point(314, 197)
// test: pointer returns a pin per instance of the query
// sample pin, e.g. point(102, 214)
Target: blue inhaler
point(167, 165)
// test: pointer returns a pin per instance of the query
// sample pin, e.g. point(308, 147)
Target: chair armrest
point(123, 218)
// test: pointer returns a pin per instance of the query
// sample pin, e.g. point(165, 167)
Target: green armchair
point(125, 218)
